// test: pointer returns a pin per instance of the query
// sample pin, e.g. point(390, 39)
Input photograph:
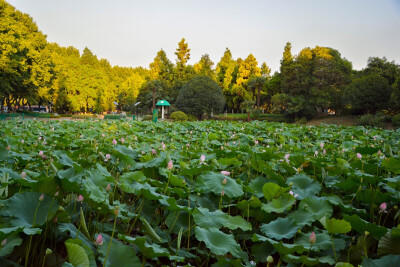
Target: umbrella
point(162, 103)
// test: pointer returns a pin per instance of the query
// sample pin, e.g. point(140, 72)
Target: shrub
point(84, 116)
point(200, 95)
point(55, 116)
point(302, 121)
point(371, 120)
point(114, 117)
point(396, 120)
point(179, 116)
point(65, 115)
point(191, 117)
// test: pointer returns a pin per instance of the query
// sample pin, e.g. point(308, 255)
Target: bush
point(396, 120)
point(191, 117)
point(114, 117)
point(371, 120)
point(178, 116)
point(85, 116)
point(200, 95)
point(55, 116)
point(302, 121)
point(65, 115)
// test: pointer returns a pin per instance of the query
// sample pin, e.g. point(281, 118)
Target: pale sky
point(130, 32)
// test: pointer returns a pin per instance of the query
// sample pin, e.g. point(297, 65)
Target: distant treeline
point(36, 72)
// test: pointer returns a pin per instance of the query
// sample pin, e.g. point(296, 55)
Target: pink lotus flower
point(41, 153)
point(324, 152)
point(40, 138)
point(114, 142)
point(202, 158)
point(108, 156)
point(170, 165)
point(80, 198)
point(99, 240)
point(8, 148)
point(359, 156)
point(224, 181)
point(108, 187)
point(383, 207)
point(22, 141)
point(322, 145)
point(153, 151)
point(163, 145)
point(41, 197)
point(122, 140)
point(312, 238)
point(225, 173)
point(103, 135)
point(187, 145)
point(222, 148)
point(23, 175)
point(256, 142)
point(287, 158)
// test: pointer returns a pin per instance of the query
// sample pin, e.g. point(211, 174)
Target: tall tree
point(205, 67)
point(183, 55)
point(247, 69)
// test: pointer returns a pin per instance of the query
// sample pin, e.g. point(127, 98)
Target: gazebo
point(162, 103)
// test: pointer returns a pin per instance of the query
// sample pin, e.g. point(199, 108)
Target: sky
point(130, 32)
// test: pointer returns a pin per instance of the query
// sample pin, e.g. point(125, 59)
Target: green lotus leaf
point(302, 217)
point(119, 255)
point(235, 222)
point(13, 241)
point(310, 261)
point(205, 219)
point(22, 208)
point(389, 243)
point(271, 191)
point(318, 207)
point(77, 255)
point(211, 182)
point(282, 248)
point(334, 226)
point(218, 242)
point(389, 260)
point(280, 228)
point(392, 165)
point(255, 186)
point(361, 226)
point(284, 202)
point(148, 250)
point(322, 241)
point(304, 186)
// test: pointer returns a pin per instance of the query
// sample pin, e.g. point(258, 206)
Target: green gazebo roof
point(162, 103)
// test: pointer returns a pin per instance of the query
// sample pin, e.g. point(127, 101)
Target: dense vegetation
point(33, 71)
point(201, 193)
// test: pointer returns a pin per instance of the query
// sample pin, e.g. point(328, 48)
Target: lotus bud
point(23, 175)
point(225, 173)
point(108, 187)
point(99, 240)
point(22, 141)
point(114, 142)
point(359, 156)
point(108, 156)
point(41, 153)
point(312, 238)
point(80, 198)
point(224, 181)
point(4, 242)
point(383, 206)
point(202, 158)
point(41, 197)
point(56, 194)
point(170, 165)
point(122, 140)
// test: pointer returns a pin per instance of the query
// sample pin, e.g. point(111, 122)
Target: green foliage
point(178, 116)
point(200, 95)
point(368, 94)
point(396, 120)
point(278, 191)
point(84, 116)
point(114, 117)
point(372, 120)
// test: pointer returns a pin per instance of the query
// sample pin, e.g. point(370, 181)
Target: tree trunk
point(154, 99)
point(258, 96)
point(2, 104)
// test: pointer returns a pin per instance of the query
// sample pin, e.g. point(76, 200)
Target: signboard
point(155, 115)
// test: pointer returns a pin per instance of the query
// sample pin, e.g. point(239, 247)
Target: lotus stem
point(111, 239)
point(333, 247)
point(30, 238)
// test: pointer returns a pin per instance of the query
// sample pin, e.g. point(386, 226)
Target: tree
point(382, 67)
point(256, 84)
point(247, 69)
point(225, 69)
point(205, 67)
point(149, 93)
point(200, 95)
point(161, 68)
point(368, 94)
point(183, 55)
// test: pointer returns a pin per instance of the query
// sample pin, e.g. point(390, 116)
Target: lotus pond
point(102, 193)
